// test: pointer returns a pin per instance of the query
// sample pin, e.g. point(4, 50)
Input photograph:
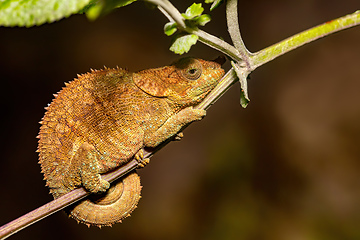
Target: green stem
point(310, 35)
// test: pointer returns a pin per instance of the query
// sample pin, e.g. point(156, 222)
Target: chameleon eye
point(193, 71)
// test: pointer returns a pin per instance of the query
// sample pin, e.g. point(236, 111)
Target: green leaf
point(123, 3)
point(103, 7)
point(215, 3)
point(95, 11)
point(87, 7)
point(193, 11)
point(202, 20)
point(183, 43)
point(170, 28)
point(36, 12)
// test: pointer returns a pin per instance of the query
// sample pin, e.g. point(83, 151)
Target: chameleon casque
point(103, 119)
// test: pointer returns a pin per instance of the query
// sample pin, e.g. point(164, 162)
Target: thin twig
point(216, 43)
point(234, 29)
point(171, 12)
point(300, 39)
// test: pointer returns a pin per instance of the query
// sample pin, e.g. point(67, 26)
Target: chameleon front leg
point(173, 125)
point(84, 171)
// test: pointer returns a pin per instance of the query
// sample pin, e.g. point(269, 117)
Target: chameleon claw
point(179, 136)
point(139, 157)
point(143, 162)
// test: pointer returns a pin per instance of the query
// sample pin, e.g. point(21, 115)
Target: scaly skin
point(105, 118)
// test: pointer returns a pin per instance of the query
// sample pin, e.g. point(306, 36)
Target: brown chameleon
point(105, 118)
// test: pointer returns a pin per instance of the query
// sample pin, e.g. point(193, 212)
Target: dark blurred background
point(285, 168)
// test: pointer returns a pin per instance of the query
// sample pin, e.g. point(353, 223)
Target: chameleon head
point(185, 82)
point(197, 78)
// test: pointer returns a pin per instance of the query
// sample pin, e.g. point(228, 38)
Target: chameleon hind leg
point(109, 207)
point(84, 171)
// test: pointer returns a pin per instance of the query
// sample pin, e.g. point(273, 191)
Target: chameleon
point(105, 118)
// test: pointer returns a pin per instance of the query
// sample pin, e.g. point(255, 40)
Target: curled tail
point(111, 207)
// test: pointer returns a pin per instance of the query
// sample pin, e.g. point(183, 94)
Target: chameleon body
point(104, 119)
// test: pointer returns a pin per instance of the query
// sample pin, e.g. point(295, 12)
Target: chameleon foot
point(179, 136)
point(139, 157)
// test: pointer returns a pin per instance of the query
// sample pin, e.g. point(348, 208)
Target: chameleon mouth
point(220, 60)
